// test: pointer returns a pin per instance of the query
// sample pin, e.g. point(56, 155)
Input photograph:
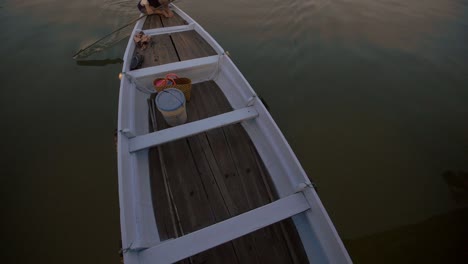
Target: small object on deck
point(173, 81)
point(136, 62)
point(183, 183)
point(162, 83)
point(171, 104)
point(142, 41)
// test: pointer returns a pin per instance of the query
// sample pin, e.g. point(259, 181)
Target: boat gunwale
point(291, 178)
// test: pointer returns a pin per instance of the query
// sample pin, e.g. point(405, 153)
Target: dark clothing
point(153, 3)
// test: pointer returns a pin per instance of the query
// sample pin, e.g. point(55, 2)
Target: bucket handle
point(171, 77)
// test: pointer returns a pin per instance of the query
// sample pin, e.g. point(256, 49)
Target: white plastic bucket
point(171, 103)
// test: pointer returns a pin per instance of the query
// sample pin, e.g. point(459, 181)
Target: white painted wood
point(318, 235)
point(189, 129)
point(125, 164)
point(278, 157)
point(232, 83)
point(331, 246)
point(127, 58)
point(182, 14)
point(166, 30)
point(174, 67)
point(210, 40)
point(147, 232)
point(217, 234)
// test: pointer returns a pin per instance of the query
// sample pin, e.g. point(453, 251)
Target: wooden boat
point(225, 187)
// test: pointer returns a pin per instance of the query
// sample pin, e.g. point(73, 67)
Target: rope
point(94, 43)
point(113, 32)
point(177, 98)
point(125, 250)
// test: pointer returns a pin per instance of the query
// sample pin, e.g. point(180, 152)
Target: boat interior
point(212, 176)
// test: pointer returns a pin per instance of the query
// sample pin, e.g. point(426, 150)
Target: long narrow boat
point(225, 187)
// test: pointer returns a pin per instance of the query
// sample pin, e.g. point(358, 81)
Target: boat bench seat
point(170, 134)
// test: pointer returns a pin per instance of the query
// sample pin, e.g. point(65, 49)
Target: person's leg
point(151, 11)
point(141, 8)
point(165, 8)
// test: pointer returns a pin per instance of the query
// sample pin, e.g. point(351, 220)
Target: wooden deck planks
point(221, 177)
point(157, 21)
point(173, 47)
point(287, 227)
point(160, 52)
point(161, 203)
point(152, 21)
point(269, 244)
point(193, 205)
point(212, 176)
point(218, 178)
point(190, 45)
point(167, 48)
point(176, 20)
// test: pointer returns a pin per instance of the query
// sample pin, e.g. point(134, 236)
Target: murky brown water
point(372, 96)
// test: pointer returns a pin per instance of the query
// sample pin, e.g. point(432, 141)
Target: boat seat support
point(170, 134)
point(188, 245)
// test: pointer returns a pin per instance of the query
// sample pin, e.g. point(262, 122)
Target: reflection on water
point(99, 62)
point(439, 239)
point(107, 41)
point(457, 182)
point(371, 96)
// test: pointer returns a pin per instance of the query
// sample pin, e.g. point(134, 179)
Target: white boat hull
point(140, 236)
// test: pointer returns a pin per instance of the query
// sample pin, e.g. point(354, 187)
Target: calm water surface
point(371, 94)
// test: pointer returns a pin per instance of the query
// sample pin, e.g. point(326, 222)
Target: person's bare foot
point(163, 13)
point(169, 13)
point(158, 12)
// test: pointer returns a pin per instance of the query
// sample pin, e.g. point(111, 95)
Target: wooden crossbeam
point(189, 129)
point(166, 30)
point(174, 66)
point(225, 231)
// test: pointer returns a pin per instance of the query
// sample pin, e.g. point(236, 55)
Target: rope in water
point(97, 41)
point(122, 27)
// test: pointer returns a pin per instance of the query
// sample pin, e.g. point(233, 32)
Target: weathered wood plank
point(216, 143)
point(216, 234)
point(287, 227)
point(160, 52)
point(270, 245)
point(253, 165)
point(192, 128)
point(216, 190)
point(190, 45)
point(152, 21)
point(227, 175)
point(160, 199)
point(176, 47)
point(176, 20)
point(190, 198)
point(163, 50)
point(222, 164)
point(166, 218)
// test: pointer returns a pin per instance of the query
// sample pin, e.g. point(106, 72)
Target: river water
point(371, 94)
